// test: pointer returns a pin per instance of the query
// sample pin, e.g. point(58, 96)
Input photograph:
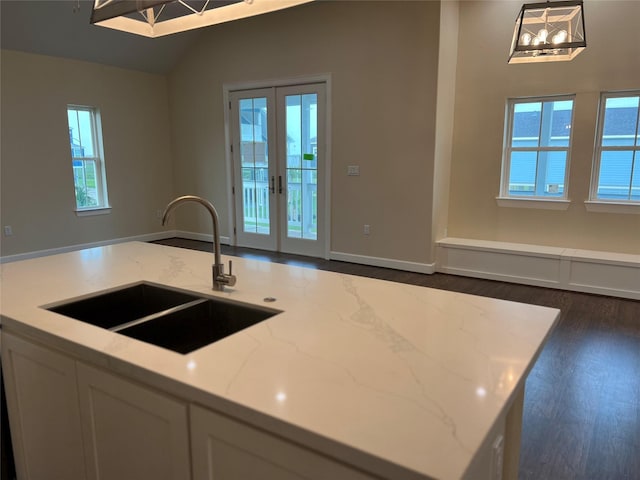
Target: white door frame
point(270, 240)
point(227, 88)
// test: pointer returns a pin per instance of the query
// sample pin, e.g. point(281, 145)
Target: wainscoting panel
point(604, 273)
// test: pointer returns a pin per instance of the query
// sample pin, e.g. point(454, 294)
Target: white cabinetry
point(42, 400)
point(72, 421)
point(224, 449)
point(131, 432)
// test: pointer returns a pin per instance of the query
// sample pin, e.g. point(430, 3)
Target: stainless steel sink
point(115, 307)
point(174, 319)
point(198, 324)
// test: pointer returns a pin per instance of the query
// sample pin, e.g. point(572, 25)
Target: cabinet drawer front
point(223, 449)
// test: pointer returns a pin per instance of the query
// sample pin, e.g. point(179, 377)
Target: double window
point(537, 148)
point(616, 166)
point(85, 137)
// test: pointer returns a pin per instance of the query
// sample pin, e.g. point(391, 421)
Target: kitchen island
point(362, 377)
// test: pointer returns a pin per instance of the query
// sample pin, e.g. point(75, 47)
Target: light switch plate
point(353, 170)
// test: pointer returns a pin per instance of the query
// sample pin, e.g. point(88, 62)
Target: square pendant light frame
point(156, 18)
point(564, 23)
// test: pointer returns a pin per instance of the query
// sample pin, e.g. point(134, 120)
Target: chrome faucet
point(220, 279)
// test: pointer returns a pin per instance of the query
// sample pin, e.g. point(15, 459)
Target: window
point(87, 158)
point(616, 171)
point(537, 148)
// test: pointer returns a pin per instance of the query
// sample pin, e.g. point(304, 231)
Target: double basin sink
point(170, 318)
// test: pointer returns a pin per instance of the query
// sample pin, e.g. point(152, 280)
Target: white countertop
point(406, 381)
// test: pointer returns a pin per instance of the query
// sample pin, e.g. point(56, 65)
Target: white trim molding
point(612, 207)
point(384, 262)
point(539, 203)
point(228, 88)
point(87, 212)
point(604, 273)
point(150, 237)
point(203, 237)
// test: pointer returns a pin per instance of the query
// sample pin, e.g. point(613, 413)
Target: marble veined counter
point(399, 380)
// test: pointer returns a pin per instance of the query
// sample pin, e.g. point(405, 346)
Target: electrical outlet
point(159, 214)
point(8, 231)
point(353, 170)
point(367, 229)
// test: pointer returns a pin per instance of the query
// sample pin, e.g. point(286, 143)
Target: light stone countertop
point(403, 381)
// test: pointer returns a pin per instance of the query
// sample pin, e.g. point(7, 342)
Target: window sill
point(612, 207)
point(539, 203)
point(87, 212)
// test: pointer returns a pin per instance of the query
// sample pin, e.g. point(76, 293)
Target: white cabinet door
point(224, 449)
point(42, 400)
point(130, 431)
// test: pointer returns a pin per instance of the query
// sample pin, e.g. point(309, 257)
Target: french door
point(278, 153)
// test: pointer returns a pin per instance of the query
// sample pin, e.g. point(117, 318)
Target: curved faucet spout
point(206, 204)
point(220, 279)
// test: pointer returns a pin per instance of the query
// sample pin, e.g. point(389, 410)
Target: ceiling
point(61, 28)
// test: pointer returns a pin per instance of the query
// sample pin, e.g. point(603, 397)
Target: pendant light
point(548, 32)
point(155, 18)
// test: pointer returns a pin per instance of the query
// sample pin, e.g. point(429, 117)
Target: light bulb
point(536, 41)
point(559, 37)
point(525, 39)
point(543, 34)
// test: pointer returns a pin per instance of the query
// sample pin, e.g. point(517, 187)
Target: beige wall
point(37, 181)
point(611, 61)
point(447, 66)
point(389, 66)
point(382, 58)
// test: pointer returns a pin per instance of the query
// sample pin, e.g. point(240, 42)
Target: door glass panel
point(302, 165)
point(255, 165)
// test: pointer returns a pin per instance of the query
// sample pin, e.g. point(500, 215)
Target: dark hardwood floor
point(582, 403)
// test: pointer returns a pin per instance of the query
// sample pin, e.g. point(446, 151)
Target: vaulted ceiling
point(61, 28)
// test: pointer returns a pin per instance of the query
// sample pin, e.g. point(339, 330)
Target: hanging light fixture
point(155, 18)
point(548, 32)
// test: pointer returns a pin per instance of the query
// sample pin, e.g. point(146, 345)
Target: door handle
point(273, 184)
point(279, 183)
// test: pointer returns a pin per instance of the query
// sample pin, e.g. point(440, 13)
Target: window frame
point(97, 160)
point(603, 204)
point(507, 199)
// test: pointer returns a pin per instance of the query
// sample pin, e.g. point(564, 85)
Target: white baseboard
point(604, 273)
point(383, 262)
point(150, 237)
point(71, 248)
point(203, 237)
